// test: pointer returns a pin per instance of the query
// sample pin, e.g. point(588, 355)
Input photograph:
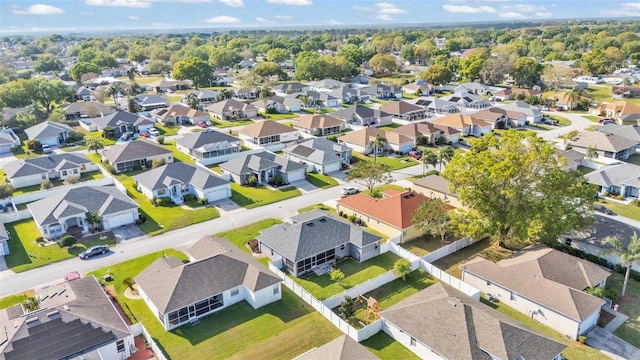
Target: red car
point(145, 134)
point(202, 124)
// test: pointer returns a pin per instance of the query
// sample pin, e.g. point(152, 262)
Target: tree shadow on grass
point(17, 253)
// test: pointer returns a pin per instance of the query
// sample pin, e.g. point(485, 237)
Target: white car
point(543, 108)
point(46, 149)
point(349, 190)
point(153, 131)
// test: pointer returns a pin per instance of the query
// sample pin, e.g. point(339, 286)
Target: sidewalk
point(614, 324)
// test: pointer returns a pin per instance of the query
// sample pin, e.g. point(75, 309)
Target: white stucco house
point(32, 171)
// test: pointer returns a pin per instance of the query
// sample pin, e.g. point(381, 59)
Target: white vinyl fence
point(139, 329)
point(447, 250)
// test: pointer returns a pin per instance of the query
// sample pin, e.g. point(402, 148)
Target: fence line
point(360, 289)
point(451, 280)
point(139, 329)
point(447, 250)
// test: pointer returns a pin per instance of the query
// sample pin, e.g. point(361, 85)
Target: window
point(276, 290)
point(513, 296)
point(120, 345)
point(342, 247)
point(235, 292)
point(64, 172)
point(75, 171)
point(43, 176)
point(488, 283)
point(413, 342)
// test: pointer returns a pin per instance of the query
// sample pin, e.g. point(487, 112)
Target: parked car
point(126, 136)
point(603, 209)
point(93, 251)
point(602, 120)
point(549, 121)
point(145, 134)
point(74, 275)
point(416, 155)
point(46, 149)
point(349, 190)
point(153, 131)
point(201, 124)
point(543, 108)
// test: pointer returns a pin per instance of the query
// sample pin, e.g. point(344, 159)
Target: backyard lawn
point(630, 306)
point(276, 117)
point(225, 124)
point(385, 187)
point(15, 299)
point(237, 332)
point(634, 159)
point(591, 118)
point(252, 197)
point(322, 287)
point(240, 236)
point(321, 180)
point(483, 248)
point(177, 154)
point(627, 210)
point(394, 163)
point(324, 207)
point(26, 254)
point(384, 347)
point(167, 130)
point(390, 127)
point(425, 244)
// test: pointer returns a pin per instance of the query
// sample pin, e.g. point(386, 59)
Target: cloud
point(283, 17)
point(264, 21)
point(634, 6)
point(133, 17)
point(384, 17)
point(222, 19)
point(39, 9)
point(291, 2)
point(85, 13)
point(233, 3)
point(624, 10)
point(120, 3)
point(544, 14)
point(333, 22)
point(363, 8)
point(385, 8)
point(465, 9)
point(511, 15)
point(161, 24)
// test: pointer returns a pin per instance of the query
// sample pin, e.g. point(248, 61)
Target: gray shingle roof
point(182, 173)
point(359, 111)
point(134, 150)
point(6, 138)
point(318, 150)
point(631, 132)
point(523, 107)
point(342, 348)
point(46, 129)
point(81, 200)
point(120, 118)
point(458, 327)
point(4, 234)
point(196, 140)
point(87, 106)
point(318, 233)
point(171, 285)
point(617, 175)
point(603, 142)
point(434, 182)
point(264, 160)
point(149, 99)
point(43, 164)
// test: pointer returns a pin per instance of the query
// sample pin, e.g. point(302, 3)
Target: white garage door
point(121, 219)
point(295, 176)
point(4, 149)
point(217, 194)
point(332, 167)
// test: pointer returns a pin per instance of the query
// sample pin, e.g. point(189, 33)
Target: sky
point(50, 16)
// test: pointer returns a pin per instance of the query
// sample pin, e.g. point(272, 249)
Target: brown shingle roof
point(317, 121)
point(396, 210)
point(413, 130)
point(342, 348)
point(364, 137)
point(180, 110)
point(460, 121)
point(265, 128)
point(134, 150)
point(622, 107)
point(600, 141)
point(399, 107)
point(492, 114)
point(434, 182)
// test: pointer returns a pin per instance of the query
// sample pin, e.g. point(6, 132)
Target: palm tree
point(591, 154)
point(131, 74)
point(627, 254)
point(445, 154)
point(36, 109)
point(133, 89)
point(192, 100)
point(31, 304)
point(224, 94)
point(377, 143)
point(94, 143)
point(265, 94)
point(573, 97)
point(306, 100)
point(113, 91)
point(428, 158)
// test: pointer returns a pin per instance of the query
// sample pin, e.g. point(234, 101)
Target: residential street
point(577, 123)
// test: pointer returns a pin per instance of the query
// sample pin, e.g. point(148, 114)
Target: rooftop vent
point(66, 307)
point(31, 321)
point(53, 313)
point(310, 224)
point(323, 220)
point(408, 196)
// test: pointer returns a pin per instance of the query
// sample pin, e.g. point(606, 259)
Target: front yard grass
point(390, 127)
point(321, 180)
point(26, 254)
point(280, 330)
point(562, 121)
point(630, 306)
point(15, 299)
point(240, 236)
point(276, 117)
point(227, 124)
point(483, 248)
point(627, 210)
point(591, 118)
point(251, 197)
point(394, 163)
point(322, 287)
point(324, 207)
point(167, 130)
point(386, 348)
point(177, 154)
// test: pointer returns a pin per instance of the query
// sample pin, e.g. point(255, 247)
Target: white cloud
point(291, 2)
point(264, 21)
point(624, 10)
point(635, 6)
point(384, 17)
point(222, 19)
point(120, 3)
point(39, 9)
point(511, 15)
point(465, 9)
point(161, 24)
point(85, 13)
point(544, 14)
point(362, 8)
point(385, 8)
point(283, 17)
point(233, 3)
point(523, 8)
point(133, 17)
point(333, 22)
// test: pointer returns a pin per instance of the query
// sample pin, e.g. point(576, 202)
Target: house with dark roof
point(404, 112)
point(209, 146)
point(629, 92)
point(175, 180)
point(266, 166)
point(148, 102)
point(391, 215)
point(322, 99)
point(436, 106)
point(511, 94)
point(84, 94)
point(319, 154)
point(8, 141)
point(342, 348)
point(135, 155)
point(436, 187)
point(267, 134)
point(49, 133)
point(4, 239)
point(290, 88)
point(319, 124)
point(76, 320)
point(468, 100)
point(532, 112)
point(179, 115)
point(87, 109)
point(32, 171)
point(617, 179)
point(432, 132)
point(230, 109)
point(545, 284)
point(326, 85)
point(56, 214)
point(441, 322)
point(316, 238)
point(206, 96)
point(122, 121)
point(217, 276)
point(606, 145)
point(279, 104)
point(361, 115)
point(631, 132)
point(382, 91)
point(348, 95)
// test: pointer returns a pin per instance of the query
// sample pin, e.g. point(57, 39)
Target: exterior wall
point(294, 176)
point(214, 194)
point(314, 166)
point(561, 323)
point(450, 199)
point(30, 180)
point(370, 251)
point(589, 323)
point(168, 158)
point(150, 194)
point(23, 181)
point(110, 351)
point(358, 148)
point(264, 297)
point(51, 141)
point(121, 218)
point(403, 338)
point(404, 147)
point(4, 248)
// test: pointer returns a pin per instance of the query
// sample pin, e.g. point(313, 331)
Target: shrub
point(432, 172)
point(635, 202)
point(110, 168)
point(203, 201)
point(46, 184)
point(34, 145)
point(251, 180)
point(189, 197)
point(67, 240)
point(160, 140)
point(72, 180)
point(163, 201)
point(336, 275)
point(402, 267)
point(39, 239)
point(582, 339)
point(351, 218)
point(332, 138)
point(157, 163)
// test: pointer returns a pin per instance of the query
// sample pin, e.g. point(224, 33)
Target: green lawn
point(26, 254)
point(251, 197)
point(627, 210)
point(142, 79)
point(562, 121)
point(394, 163)
point(226, 124)
point(237, 332)
point(385, 187)
point(321, 180)
point(483, 248)
point(390, 127)
point(585, 170)
point(322, 287)
point(240, 236)
point(384, 347)
point(630, 330)
point(92, 175)
point(591, 118)
point(15, 299)
point(634, 159)
point(276, 117)
point(177, 154)
point(315, 111)
point(329, 209)
point(167, 130)
point(425, 244)
point(540, 126)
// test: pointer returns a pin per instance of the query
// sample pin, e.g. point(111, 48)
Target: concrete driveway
point(127, 232)
point(611, 345)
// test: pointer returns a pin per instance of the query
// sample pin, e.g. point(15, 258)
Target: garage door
point(295, 176)
point(121, 219)
point(4, 149)
point(332, 167)
point(217, 194)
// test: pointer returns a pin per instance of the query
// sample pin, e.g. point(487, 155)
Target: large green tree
point(437, 74)
point(47, 63)
point(194, 69)
point(267, 69)
point(432, 218)
point(471, 65)
point(383, 63)
point(278, 55)
point(526, 72)
point(369, 174)
point(83, 68)
point(515, 190)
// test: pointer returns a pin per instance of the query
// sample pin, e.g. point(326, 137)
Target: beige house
point(436, 187)
point(623, 112)
point(265, 134)
point(606, 145)
point(362, 140)
point(319, 125)
point(501, 118)
point(466, 124)
point(231, 109)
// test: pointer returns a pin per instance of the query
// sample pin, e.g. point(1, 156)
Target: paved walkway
point(614, 324)
point(611, 345)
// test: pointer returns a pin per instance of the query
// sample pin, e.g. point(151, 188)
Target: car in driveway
point(349, 190)
point(153, 131)
point(46, 149)
point(202, 124)
point(93, 251)
point(145, 134)
point(415, 154)
point(126, 136)
point(603, 209)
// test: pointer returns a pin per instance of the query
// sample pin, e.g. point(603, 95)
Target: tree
point(369, 174)
point(627, 254)
point(346, 309)
point(573, 97)
point(115, 90)
point(6, 190)
point(278, 55)
point(336, 275)
point(267, 69)
point(377, 143)
point(402, 268)
point(568, 138)
point(128, 282)
point(94, 143)
point(156, 163)
point(94, 219)
point(224, 94)
point(353, 54)
point(382, 63)
point(48, 63)
point(471, 65)
point(159, 67)
point(131, 74)
point(526, 72)
point(431, 217)
point(515, 189)
point(591, 153)
point(437, 74)
point(132, 105)
point(428, 158)
point(445, 154)
point(223, 57)
point(194, 69)
point(31, 304)
point(83, 68)
point(192, 100)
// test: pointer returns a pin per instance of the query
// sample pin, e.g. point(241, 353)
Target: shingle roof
point(47, 129)
point(319, 233)
point(184, 174)
point(318, 150)
point(149, 99)
point(458, 327)
point(179, 110)
point(396, 210)
point(434, 182)
point(574, 158)
point(342, 348)
point(43, 164)
point(399, 107)
point(631, 132)
point(546, 276)
point(196, 140)
point(494, 113)
point(171, 285)
point(120, 118)
point(134, 150)
point(105, 200)
point(600, 141)
point(266, 128)
point(6, 138)
point(319, 121)
point(228, 105)
point(622, 107)
point(359, 111)
point(245, 164)
point(365, 136)
point(617, 175)
point(521, 106)
point(413, 130)
point(459, 121)
point(87, 106)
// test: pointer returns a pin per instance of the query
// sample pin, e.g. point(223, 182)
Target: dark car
point(602, 209)
point(93, 251)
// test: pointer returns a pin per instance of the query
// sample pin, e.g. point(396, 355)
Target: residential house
point(175, 180)
point(326, 85)
point(320, 155)
point(622, 92)
point(363, 140)
point(247, 64)
point(8, 141)
point(347, 95)
point(631, 132)
point(391, 215)
point(122, 122)
point(76, 320)
point(10, 113)
point(135, 155)
point(403, 112)
point(205, 97)
point(419, 87)
point(514, 93)
point(466, 124)
point(266, 166)
point(86, 109)
point(67, 211)
point(432, 132)
point(466, 329)
point(209, 146)
point(315, 98)
point(574, 159)
point(232, 109)
point(618, 179)
point(473, 88)
point(148, 102)
point(342, 348)
point(278, 104)
point(290, 88)
point(169, 85)
point(180, 115)
point(218, 276)
point(545, 284)
point(267, 133)
point(606, 145)
point(436, 106)
point(361, 115)
point(247, 94)
point(468, 101)
point(49, 133)
point(314, 239)
point(532, 112)
point(564, 101)
point(436, 187)
point(382, 91)
point(319, 125)
point(84, 94)
point(32, 171)
point(4, 240)
point(501, 118)
point(623, 112)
